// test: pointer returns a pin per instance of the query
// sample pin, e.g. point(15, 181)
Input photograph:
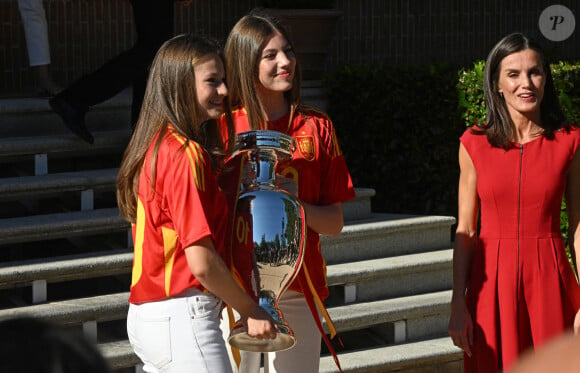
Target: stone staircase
point(65, 253)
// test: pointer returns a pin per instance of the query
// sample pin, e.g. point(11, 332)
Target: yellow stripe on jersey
point(169, 244)
point(335, 146)
point(138, 250)
point(195, 155)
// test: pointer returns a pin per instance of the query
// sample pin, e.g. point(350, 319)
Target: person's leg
point(35, 31)
point(304, 357)
point(43, 81)
point(154, 21)
point(36, 34)
point(133, 64)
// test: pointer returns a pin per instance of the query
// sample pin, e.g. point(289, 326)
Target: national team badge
point(306, 147)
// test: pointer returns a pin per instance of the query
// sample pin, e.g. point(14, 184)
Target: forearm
point(326, 219)
point(208, 267)
point(573, 213)
point(574, 244)
point(573, 208)
point(463, 249)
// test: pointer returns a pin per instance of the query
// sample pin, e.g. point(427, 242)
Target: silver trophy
point(269, 233)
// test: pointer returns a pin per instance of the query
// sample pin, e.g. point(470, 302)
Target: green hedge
point(399, 128)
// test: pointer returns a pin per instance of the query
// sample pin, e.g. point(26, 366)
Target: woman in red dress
point(513, 286)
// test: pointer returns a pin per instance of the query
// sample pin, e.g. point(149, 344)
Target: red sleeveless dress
point(522, 289)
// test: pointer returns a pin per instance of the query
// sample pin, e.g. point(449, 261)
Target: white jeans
point(179, 334)
point(35, 31)
point(304, 357)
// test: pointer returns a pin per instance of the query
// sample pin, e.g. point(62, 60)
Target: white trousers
point(304, 357)
point(35, 31)
point(179, 335)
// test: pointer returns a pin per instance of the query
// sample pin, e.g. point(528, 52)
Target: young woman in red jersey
point(168, 191)
point(264, 83)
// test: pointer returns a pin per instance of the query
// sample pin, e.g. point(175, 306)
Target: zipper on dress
point(518, 222)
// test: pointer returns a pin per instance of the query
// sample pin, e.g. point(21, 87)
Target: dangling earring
point(501, 94)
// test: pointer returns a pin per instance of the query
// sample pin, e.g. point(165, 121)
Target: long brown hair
point(170, 97)
point(243, 49)
point(499, 127)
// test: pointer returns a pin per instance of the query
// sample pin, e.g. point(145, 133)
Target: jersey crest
point(306, 147)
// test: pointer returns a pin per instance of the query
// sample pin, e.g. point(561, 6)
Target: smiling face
point(521, 82)
point(276, 66)
point(210, 87)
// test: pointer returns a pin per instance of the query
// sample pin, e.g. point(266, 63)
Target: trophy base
point(240, 339)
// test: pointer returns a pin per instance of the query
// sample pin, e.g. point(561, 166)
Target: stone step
point(61, 225)
point(385, 278)
point(39, 150)
point(78, 223)
point(400, 319)
point(119, 354)
point(347, 317)
point(34, 117)
point(30, 187)
point(437, 355)
point(386, 235)
point(69, 224)
point(358, 208)
point(66, 268)
point(350, 282)
point(383, 238)
point(417, 317)
point(76, 311)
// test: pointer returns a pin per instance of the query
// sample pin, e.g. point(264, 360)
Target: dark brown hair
point(499, 127)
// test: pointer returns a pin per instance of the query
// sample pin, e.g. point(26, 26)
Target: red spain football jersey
point(319, 168)
point(184, 206)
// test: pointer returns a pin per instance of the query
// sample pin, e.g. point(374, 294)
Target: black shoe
point(73, 118)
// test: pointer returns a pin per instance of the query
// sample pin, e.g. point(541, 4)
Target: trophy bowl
point(269, 234)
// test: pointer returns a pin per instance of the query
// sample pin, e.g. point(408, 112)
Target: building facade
point(83, 34)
